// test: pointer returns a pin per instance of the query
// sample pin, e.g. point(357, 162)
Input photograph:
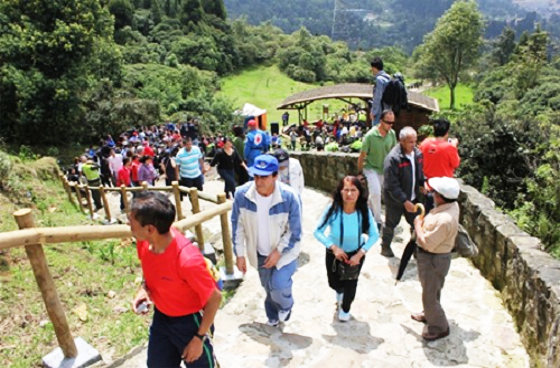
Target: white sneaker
point(273, 323)
point(283, 316)
point(343, 316)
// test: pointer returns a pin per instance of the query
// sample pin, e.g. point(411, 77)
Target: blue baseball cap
point(264, 165)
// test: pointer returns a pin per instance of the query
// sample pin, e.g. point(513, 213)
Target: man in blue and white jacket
point(266, 225)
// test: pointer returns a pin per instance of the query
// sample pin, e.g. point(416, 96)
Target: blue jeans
point(278, 286)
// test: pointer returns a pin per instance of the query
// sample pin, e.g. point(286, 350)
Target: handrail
point(50, 235)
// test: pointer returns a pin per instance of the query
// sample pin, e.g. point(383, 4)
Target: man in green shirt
point(376, 145)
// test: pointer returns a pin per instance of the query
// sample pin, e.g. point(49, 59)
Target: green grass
point(463, 95)
point(266, 87)
point(83, 273)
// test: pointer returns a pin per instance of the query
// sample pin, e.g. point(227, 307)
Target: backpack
point(464, 246)
point(395, 93)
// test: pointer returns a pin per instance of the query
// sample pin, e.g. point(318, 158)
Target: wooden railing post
point(105, 203)
point(44, 279)
point(226, 237)
point(178, 204)
point(193, 195)
point(125, 199)
point(145, 185)
point(89, 201)
point(77, 189)
point(68, 189)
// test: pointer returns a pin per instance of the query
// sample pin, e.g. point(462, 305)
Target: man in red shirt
point(440, 155)
point(177, 282)
point(134, 170)
point(123, 177)
point(148, 151)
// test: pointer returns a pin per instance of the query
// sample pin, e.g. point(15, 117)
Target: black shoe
point(386, 251)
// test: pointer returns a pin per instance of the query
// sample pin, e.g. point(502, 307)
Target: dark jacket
point(397, 176)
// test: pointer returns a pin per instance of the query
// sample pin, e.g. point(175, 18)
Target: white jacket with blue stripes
point(284, 221)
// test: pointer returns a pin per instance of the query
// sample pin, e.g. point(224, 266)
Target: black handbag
point(346, 272)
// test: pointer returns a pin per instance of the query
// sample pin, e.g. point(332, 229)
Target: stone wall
point(527, 277)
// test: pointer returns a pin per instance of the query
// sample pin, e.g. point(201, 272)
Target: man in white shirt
point(266, 228)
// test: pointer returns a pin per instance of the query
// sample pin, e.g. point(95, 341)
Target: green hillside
point(463, 95)
point(266, 87)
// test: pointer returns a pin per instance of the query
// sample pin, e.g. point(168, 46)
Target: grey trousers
point(393, 213)
point(432, 269)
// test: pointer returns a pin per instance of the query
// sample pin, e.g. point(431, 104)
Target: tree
point(51, 54)
point(123, 13)
point(215, 7)
point(156, 12)
point(191, 11)
point(505, 46)
point(454, 44)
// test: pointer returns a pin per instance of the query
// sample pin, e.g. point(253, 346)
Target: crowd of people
point(266, 188)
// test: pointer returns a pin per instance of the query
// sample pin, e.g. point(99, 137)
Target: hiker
point(377, 144)
point(191, 165)
point(124, 178)
point(440, 156)
point(227, 160)
point(402, 181)
point(93, 177)
point(266, 229)
point(436, 235)
point(348, 218)
point(290, 172)
point(381, 79)
point(257, 142)
point(177, 282)
point(146, 171)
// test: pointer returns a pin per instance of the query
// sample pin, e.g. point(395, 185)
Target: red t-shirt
point(123, 177)
point(134, 170)
point(178, 279)
point(440, 158)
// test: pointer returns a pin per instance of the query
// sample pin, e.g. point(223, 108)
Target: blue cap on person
point(264, 165)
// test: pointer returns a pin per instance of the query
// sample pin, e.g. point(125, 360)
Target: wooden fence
point(33, 238)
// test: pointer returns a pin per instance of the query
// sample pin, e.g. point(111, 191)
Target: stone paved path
point(381, 333)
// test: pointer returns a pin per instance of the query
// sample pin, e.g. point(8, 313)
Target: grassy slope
point(266, 87)
point(84, 273)
point(463, 95)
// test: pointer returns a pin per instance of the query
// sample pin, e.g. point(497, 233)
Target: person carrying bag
point(348, 218)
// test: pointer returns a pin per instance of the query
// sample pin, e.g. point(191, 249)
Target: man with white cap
point(436, 237)
point(266, 229)
point(290, 172)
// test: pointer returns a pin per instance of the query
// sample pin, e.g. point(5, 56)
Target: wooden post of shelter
point(125, 199)
point(77, 189)
point(105, 203)
point(193, 195)
point(89, 201)
point(226, 238)
point(178, 204)
point(36, 256)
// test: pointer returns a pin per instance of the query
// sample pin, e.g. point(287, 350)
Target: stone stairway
point(380, 333)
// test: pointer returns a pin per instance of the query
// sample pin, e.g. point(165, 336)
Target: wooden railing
point(33, 238)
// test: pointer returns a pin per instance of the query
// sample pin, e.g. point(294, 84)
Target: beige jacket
point(440, 228)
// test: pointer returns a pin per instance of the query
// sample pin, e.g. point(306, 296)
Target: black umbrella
point(410, 247)
point(407, 253)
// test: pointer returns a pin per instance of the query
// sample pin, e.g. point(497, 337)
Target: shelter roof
point(352, 90)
